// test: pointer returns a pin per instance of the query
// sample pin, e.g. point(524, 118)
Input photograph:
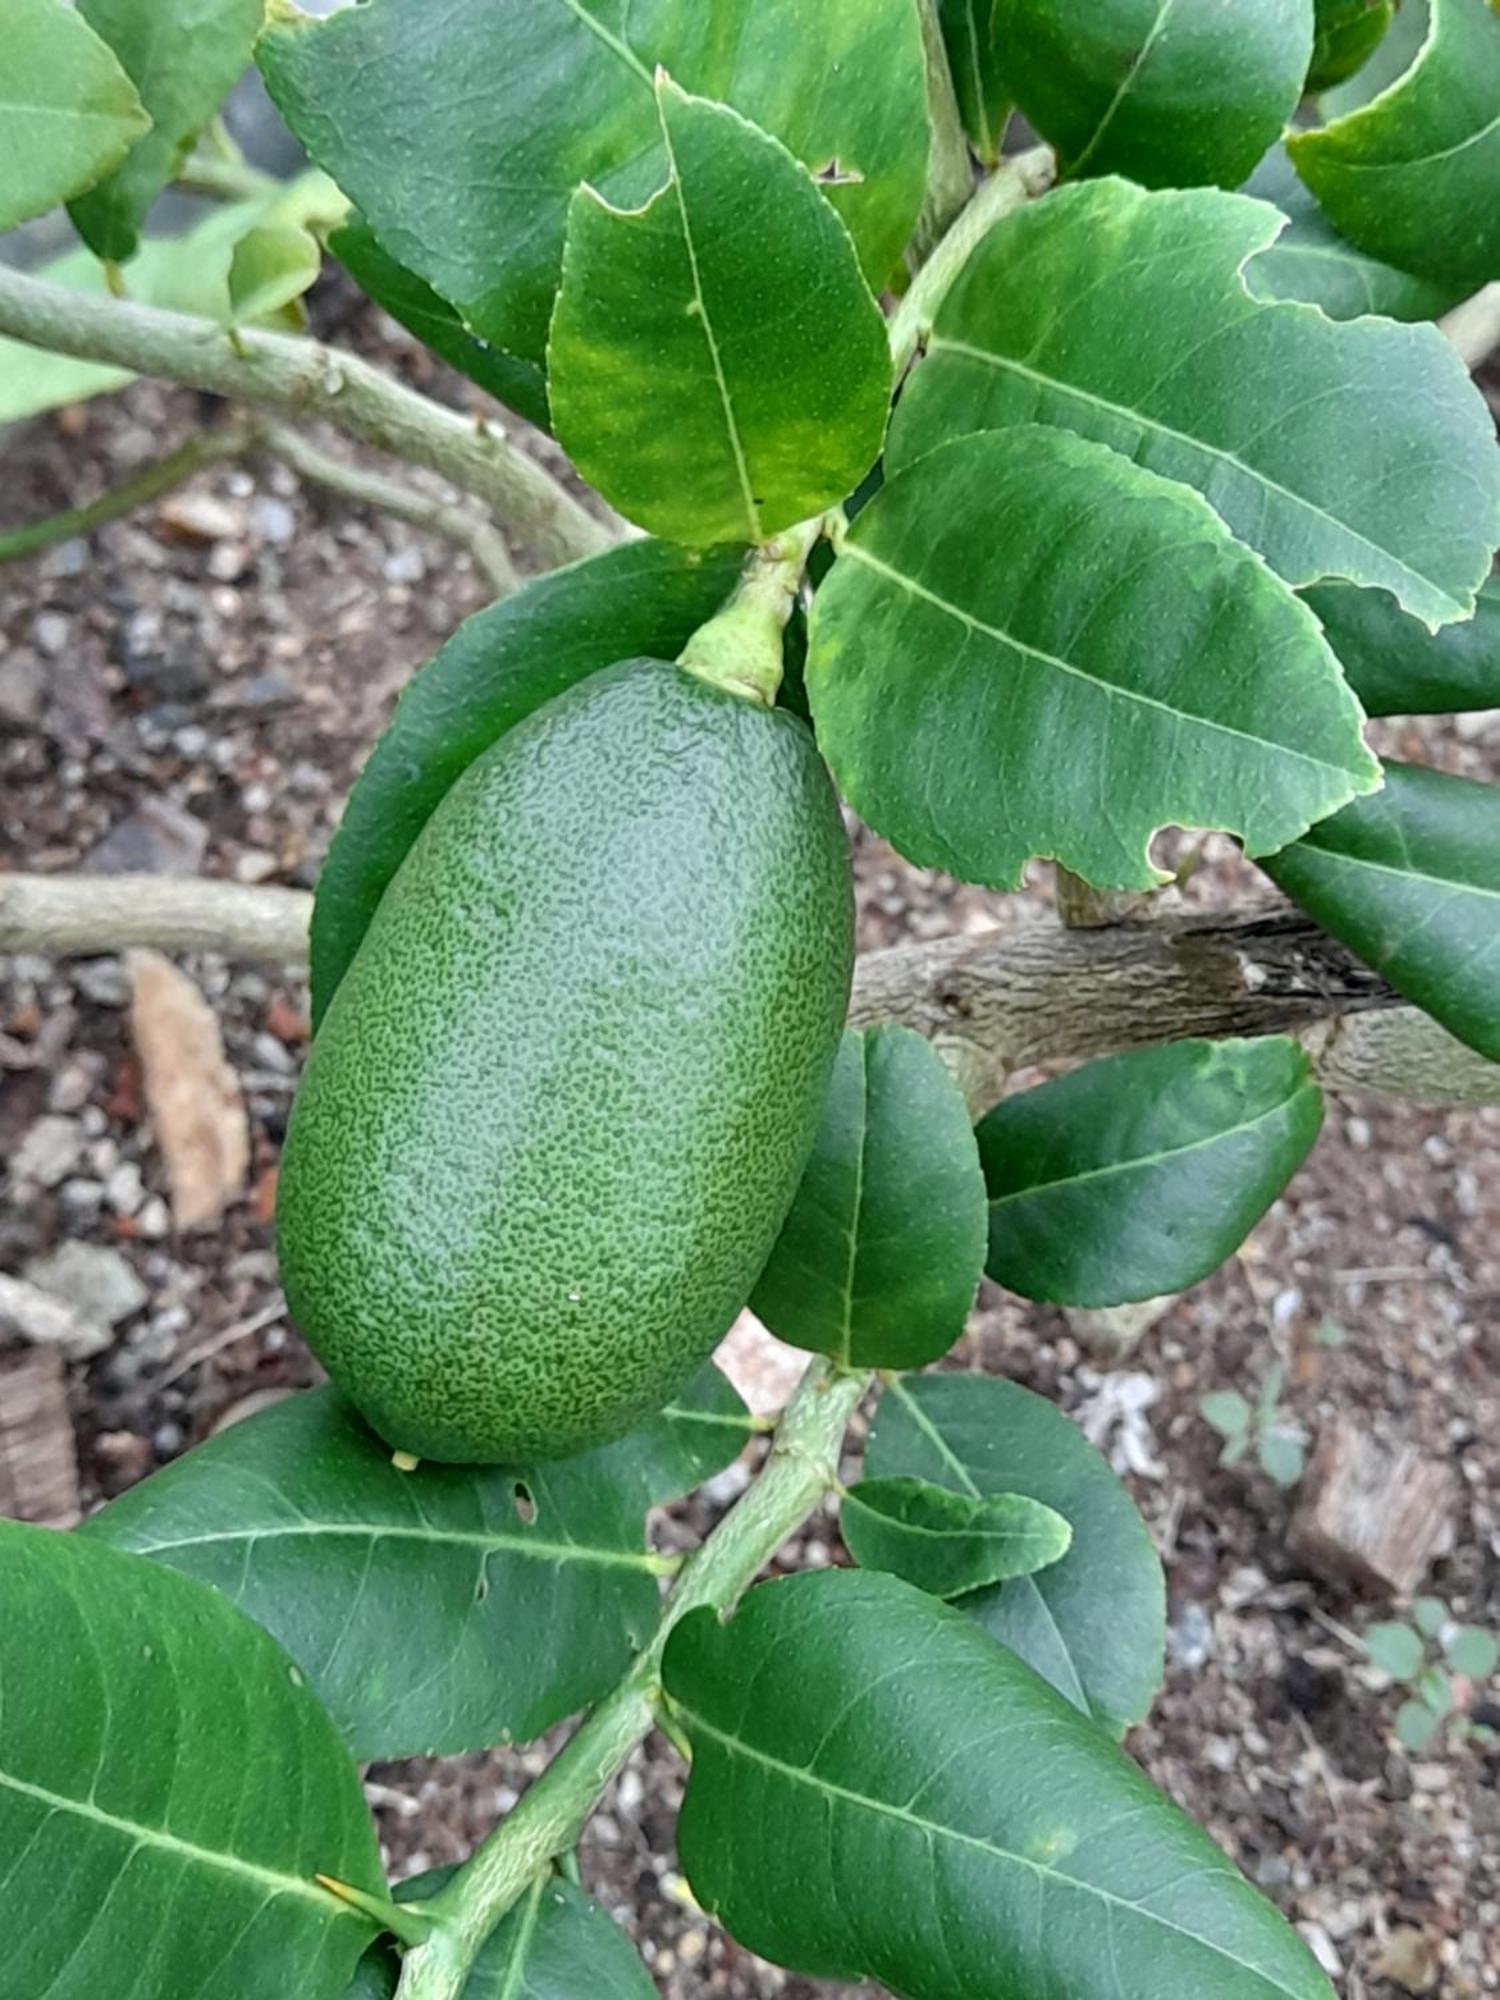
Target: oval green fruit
point(560, 1104)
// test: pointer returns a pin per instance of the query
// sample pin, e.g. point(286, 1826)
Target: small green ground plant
point(1030, 502)
point(1261, 1428)
point(1426, 1656)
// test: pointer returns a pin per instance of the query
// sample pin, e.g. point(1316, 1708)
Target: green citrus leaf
point(1310, 261)
point(272, 266)
point(1348, 32)
point(464, 148)
point(1093, 1624)
point(946, 1542)
point(1473, 1652)
point(1411, 176)
point(1396, 666)
point(537, 1580)
point(850, 1734)
point(68, 112)
point(555, 1944)
point(424, 312)
point(183, 56)
point(881, 1256)
point(169, 1789)
point(1358, 450)
point(704, 1428)
point(1391, 60)
point(680, 385)
point(971, 35)
point(1168, 92)
point(189, 273)
point(1138, 1175)
point(1396, 1649)
point(980, 687)
point(1410, 881)
point(643, 600)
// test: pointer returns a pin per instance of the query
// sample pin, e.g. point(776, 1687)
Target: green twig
point(801, 1468)
point(1014, 182)
point(740, 648)
point(205, 448)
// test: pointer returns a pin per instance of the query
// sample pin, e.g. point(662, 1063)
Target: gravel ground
point(194, 689)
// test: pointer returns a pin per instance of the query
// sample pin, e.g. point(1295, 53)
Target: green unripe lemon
point(561, 1100)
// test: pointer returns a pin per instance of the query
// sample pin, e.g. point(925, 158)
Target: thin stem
point(1014, 182)
point(392, 496)
point(740, 647)
point(950, 170)
point(302, 378)
point(206, 447)
point(801, 1468)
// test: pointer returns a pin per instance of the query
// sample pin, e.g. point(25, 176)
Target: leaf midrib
point(1267, 745)
point(987, 358)
point(1456, 885)
point(380, 1531)
point(1142, 1161)
point(934, 1830)
point(208, 1857)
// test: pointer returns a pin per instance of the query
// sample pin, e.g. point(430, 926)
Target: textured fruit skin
point(561, 1101)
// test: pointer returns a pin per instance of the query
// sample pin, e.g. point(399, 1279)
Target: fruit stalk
point(801, 1469)
point(740, 648)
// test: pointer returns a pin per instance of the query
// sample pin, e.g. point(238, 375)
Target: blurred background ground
point(193, 690)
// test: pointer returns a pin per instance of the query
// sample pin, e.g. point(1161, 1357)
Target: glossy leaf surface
point(704, 1428)
point(1138, 1175)
point(987, 610)
point(555, 1944)
point(462, 139)
point(1348, 32)
point(880, 1791)
point(182, 56)
point(169, 1788)
point(680, 384)
point(1310, 261)
point(424, 312)
point(1397, 667)
point(1094, 1623)
point(1410, 881)
point(1411, 176)
point(971, 36)
point(1167, 92)
point(881, 1256)
point(643, 600)
point(946, 1542)
point(68, 112)
point(537, 1580)
point(1359, 450)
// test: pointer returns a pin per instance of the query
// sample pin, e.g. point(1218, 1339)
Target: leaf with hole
point(946, 1542)
point(1355, 449)
point(169, 1789)
point(538, 1579)
point(987, 607)
point(880, 1258)
point(1093, 1623)
point(643, 600)
point(437, 324)
point(972, 38)
point(554, 1944)
point(1397, 667)
point(850, 1733)
point(1411, 176)
point(183, 56)
point(681, 386)
point(1137, 1175)
point(70, 111)
point(1310, 261)
point(1164, 91)
point(462, 139)
point(1410, 881)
